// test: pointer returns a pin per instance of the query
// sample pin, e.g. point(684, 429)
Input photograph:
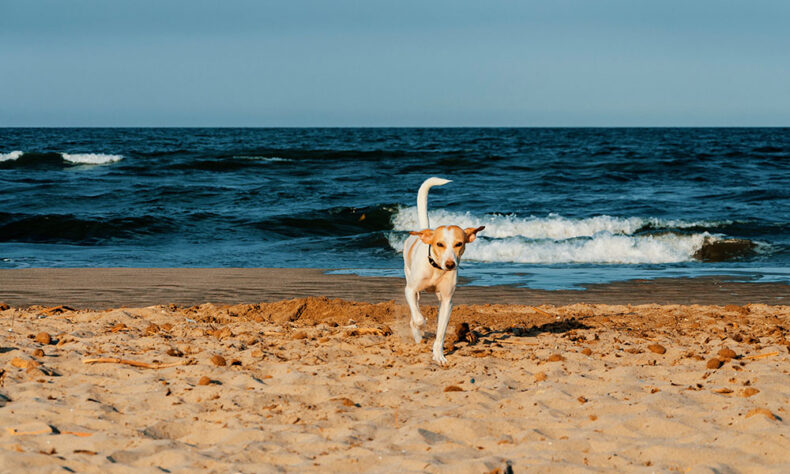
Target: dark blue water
point(562, 207)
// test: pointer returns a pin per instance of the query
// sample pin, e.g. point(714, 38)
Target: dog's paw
point(416, 333)
point(439, 358)
point(419, 321)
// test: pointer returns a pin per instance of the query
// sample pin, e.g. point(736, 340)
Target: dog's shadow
point(487, 336)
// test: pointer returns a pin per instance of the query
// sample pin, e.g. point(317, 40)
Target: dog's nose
point(449, 264)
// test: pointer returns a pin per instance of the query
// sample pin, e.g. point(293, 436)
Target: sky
point(394, 63)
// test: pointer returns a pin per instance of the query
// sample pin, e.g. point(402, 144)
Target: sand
point(137, 287)
point(320, 385)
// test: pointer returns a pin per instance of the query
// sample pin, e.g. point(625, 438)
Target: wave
point(605, 248)
point(11, 156)
point(21, 159)
point(336, 221)
point(552, 227)
point(91, 158)
point(68, 228)
point(270, 159)
point(594, 240)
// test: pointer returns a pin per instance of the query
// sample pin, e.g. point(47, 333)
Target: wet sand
point(322, 385)
point(101, 288)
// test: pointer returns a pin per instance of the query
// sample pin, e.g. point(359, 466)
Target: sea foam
point(73, 158)
point(550, 227)
point(11, 156)
point(556, 239)
point(90, 158)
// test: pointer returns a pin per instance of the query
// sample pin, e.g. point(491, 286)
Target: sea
point(564, 208)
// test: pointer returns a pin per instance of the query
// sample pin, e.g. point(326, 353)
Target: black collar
point(432, 261)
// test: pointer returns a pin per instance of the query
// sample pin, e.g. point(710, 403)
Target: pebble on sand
point(43, 338)
point(748, 392)
point(453, 388)
point(556, 358)
point(587, 351)
point(713, 363)
point(23, 363)
point(657, 348)
point(727, 353)
point(218, 360)
point(204, 380)
point(540, 376)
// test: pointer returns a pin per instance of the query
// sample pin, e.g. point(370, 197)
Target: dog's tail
point(422, 200)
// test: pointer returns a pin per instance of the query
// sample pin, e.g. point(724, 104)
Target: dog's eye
point(440, 245)
point(458, 244)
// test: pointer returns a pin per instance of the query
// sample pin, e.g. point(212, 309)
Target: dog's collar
point(432, 261)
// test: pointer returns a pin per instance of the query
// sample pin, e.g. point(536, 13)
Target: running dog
point(430, 262)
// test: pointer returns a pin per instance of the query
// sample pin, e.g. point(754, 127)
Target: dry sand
point(326, 385)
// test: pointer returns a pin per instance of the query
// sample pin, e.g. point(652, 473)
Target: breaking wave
point(601, 240)
point(10, 156)
point(91, 158)
point(21, 159)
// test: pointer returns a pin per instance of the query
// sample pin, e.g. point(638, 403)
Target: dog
point(430, 262)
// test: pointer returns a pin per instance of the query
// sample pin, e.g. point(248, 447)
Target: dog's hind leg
point(417, 319)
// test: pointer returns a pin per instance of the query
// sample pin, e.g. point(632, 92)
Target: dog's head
point(448, 243)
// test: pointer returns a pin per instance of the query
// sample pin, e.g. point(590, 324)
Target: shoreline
point(139, 287)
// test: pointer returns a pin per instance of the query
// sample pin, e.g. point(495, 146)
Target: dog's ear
point(471, 232)
point(425, 235)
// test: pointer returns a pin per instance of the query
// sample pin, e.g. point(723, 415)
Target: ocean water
point(563, 208)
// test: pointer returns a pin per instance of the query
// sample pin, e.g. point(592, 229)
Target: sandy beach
point(319, 384)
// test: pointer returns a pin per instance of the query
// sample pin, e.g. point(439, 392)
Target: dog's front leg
point(417, 319)
point(445, 308)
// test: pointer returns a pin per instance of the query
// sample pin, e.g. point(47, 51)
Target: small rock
point(657, 348)
point(453, 388)
point(540, 376)
point(713, 364)
point(43, 338)
point(723, 391)
point(582, 400)
point(748, 392)
point(173, 352)
point(347, 402)
point(204, 380)
point(38, 353)
point(235, 362)
point(762, 411)
point(727, 353)
point(587, 351)
point(300, 335)
point(218, 360)
point(4, 306)
point(23, 363)
point(556, 358)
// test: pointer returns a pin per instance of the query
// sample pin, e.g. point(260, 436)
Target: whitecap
point(550, 227)
point(11, 156)
point(602, 248)
point(261, 158)
point(91, 158)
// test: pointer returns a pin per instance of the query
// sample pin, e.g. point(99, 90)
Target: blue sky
point(394, 63)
